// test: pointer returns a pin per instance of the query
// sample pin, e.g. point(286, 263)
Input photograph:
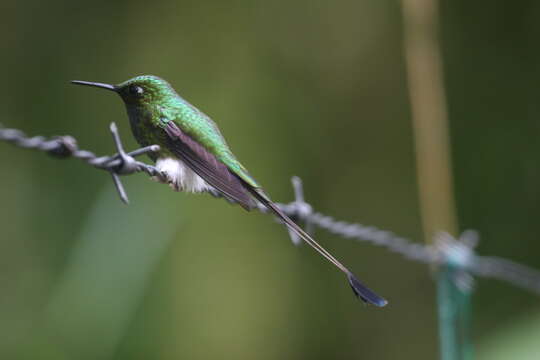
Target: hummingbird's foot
point(180, 177)
point(158, 179)
point(169, 181)
point(174, 186)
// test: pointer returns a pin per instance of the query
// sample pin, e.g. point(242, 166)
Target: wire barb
point(446, 250)
point(64, 147)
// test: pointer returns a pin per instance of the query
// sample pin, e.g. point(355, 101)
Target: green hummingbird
point(195, 157)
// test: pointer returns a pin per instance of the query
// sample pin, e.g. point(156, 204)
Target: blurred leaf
point(108, 272)
point(518, 340)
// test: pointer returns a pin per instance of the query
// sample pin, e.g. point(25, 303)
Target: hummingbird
point(196, 158)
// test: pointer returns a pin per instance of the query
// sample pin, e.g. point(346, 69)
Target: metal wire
point(66, 146)
point(445, 250)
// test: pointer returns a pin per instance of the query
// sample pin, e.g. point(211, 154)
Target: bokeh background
point(306, 87)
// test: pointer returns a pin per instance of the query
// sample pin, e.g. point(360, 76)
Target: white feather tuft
point(181, 177)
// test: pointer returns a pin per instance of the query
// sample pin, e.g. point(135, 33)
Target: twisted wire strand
point(447, 249)
point(511, 272)
point(66, 146)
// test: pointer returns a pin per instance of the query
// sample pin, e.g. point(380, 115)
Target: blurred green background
point(306, 87)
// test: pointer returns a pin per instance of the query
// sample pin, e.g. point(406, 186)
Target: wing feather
point(233, 188)
point(205, 164)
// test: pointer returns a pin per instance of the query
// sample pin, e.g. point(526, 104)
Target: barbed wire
point(121, 163)
point(446, 249)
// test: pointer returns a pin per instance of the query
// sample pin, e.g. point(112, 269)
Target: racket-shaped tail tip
point(364, 293)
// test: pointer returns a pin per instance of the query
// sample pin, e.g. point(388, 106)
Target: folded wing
point(207, 166)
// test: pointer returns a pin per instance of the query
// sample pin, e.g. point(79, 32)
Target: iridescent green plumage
point(197, 158)
point(160, 104)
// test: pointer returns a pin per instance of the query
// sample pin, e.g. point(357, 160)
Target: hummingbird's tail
point(360, 290)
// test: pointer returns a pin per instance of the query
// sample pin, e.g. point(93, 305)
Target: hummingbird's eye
point(135, 90)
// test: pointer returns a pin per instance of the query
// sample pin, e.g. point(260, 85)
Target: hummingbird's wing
point(234, 187)
point(207, 166)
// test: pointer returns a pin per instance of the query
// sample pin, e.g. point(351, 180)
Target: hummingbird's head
point(140, 90)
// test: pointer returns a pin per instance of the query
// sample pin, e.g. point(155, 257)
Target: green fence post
point(454, 292)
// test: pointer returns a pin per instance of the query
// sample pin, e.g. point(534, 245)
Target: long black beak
point(95, 84)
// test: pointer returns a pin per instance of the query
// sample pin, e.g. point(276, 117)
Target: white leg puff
point(181, 177)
